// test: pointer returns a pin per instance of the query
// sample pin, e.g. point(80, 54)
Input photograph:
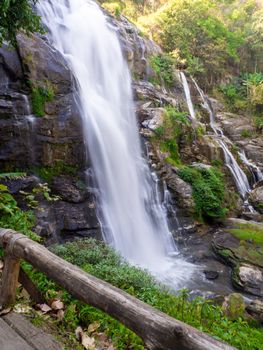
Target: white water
point(238, 174)
point(187, 95)
point(133, 219)
point(254, 169)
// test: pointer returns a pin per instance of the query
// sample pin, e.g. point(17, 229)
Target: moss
point(59, 168)
point(251, 234)
point(168, 135)
point(39, 96)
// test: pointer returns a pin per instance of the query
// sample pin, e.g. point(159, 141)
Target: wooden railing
point(158, 330)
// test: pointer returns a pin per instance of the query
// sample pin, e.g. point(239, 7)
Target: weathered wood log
point(158, 330)
point(30, 287)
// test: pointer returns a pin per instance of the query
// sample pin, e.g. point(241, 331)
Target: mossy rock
point(234, 306)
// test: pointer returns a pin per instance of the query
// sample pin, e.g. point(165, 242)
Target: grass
point(248, 232)
point(101, 261)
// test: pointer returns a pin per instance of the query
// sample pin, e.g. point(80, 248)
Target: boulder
point(181, 190)
point(256, 198)
point(255, 309)
point(69, 189)
point(234, 306)
point(153, 118)
point(249, 278)
point(211, 275)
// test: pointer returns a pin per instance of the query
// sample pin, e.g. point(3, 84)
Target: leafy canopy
point(17, 15)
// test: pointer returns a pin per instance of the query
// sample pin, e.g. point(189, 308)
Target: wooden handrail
point(158, 330)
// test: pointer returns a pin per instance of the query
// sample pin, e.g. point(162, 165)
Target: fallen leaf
point(57, 305)
point(60, 315)
point(22, 308)
point(44, 308)
point(79, 333)
point(5, 311)
point(93, 327)
point(88, 342)
point(1, 264)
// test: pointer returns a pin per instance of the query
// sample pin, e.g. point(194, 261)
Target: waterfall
point(238, 174)
point(254, 169)
point(133, 219)
point(187, 95)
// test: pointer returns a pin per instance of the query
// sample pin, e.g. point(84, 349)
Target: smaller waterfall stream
point(254, 169)
point(187, 95)
point(238, 174)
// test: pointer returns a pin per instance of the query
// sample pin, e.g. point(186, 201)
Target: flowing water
point(254, 169)
point(238, 174)
point(187, 95)
point(133, 218)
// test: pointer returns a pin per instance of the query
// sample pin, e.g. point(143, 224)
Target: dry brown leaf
point(88, 342)
point(57, 305)
point(5, 311)
point(93, 327)
point(44, 308)
point(79, 333)
point(60, 315)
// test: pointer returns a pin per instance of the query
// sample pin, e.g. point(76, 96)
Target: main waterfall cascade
point(133, 218)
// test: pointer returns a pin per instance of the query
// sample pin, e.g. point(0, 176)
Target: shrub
point(12, 217)
point(208, 191)
point(163, 65)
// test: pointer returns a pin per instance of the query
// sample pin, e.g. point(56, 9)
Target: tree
point(17, 15)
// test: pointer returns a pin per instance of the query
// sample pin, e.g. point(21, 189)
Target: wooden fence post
point(10, 274)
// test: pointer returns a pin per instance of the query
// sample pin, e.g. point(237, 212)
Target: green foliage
point(244, 92)
point(246, 133)
point(248, 232)
point(169, 134)
point(59, 168)
point(16, 15)
point(12, 176)
point(208, 191)
point(163, 65)
point(12, 217)
point(103, 262)
point(191, 31)
point(39, 96)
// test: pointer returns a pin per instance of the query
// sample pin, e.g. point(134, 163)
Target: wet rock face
point(25, 139)
point(44, 63)
point(136, 49)
point(241, 130)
